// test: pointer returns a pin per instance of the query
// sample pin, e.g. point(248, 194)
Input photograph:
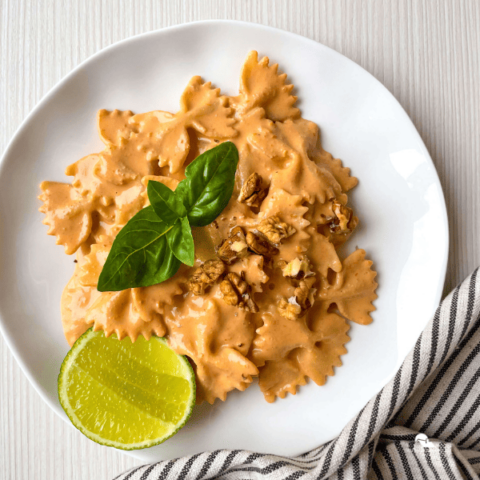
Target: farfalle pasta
point(268, 296)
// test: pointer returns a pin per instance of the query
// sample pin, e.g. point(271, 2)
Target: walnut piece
point(234, 247)
point(342, 222)
point(275, 230)
point(252, 192)
point(205, 276)
point(267, 235)
point(235, 291)
point(303, 295)
point(297, 305)
point(298, 268)
point(289, 309)
point(260, 245)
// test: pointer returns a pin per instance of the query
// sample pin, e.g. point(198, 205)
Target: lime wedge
point(126, 395)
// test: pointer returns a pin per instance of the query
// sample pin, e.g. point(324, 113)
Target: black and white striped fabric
point(425, 424)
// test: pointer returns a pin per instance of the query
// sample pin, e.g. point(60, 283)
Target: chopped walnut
point(298, 268)
point(229, 293)
point(235, 291)
point(289, 309)
point(205, 276)
point(299, 303)
point(303, 295)
point(248, 304)
point(342, 222)
point(275, 230)
point(234, 247)
point(252, 192)
point(259, 244)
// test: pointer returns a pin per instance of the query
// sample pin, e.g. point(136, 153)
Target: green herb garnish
point(150, 247)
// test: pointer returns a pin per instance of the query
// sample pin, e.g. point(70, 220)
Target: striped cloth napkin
point(424, 424)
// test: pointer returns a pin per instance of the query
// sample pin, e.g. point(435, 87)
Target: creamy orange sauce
point(307, 189)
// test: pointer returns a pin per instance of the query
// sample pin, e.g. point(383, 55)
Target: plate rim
point(211, 22)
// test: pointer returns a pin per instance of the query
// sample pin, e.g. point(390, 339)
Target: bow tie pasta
point(268, 296)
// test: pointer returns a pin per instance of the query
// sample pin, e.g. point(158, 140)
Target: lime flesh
point(123, 394)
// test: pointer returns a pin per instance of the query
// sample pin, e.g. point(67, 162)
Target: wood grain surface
point(426, 52)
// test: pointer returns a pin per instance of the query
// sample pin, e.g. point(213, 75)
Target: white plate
point(399, 201)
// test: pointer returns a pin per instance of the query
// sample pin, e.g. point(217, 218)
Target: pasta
point(277, 239)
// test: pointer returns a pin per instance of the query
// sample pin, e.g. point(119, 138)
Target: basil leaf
point(140, 255)
point(167, 205)
point(180, 241)
point(209, 184)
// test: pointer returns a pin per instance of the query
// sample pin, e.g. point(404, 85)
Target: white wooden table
point(426, 52)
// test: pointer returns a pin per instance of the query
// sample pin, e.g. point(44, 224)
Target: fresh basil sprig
point(150, 247)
